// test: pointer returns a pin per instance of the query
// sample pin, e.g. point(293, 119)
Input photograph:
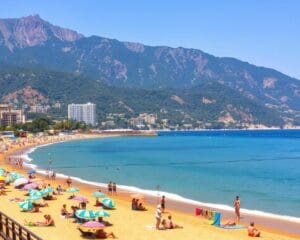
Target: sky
point(262, 32)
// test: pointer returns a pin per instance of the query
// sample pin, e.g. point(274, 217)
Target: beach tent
point(108, 203)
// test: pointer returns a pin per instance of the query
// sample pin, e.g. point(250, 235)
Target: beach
point(128, 224)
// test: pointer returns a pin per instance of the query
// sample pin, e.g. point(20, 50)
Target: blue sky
point(262, 32)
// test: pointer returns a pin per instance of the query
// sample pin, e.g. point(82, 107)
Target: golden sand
point(127, 224)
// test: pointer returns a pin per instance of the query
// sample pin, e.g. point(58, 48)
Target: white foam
point(154, 193)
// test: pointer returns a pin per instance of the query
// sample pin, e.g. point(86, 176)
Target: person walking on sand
point(69, 181)
point(158, 216)
point(114, 188)
point(237, 206)
point(163, 203)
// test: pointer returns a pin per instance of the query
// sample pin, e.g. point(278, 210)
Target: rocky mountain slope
point(32, 42)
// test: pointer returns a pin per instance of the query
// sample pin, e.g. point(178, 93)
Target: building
point(10, 116)
point(83, 113)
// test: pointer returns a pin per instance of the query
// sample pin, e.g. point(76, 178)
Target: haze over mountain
point(32, 42)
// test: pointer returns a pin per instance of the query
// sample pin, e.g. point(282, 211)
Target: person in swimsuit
point(170, 224)
point(252, 231)
point(237, 206)
point(163, 203)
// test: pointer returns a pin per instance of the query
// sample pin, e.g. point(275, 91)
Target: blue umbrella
point(73, 190)
point(85, 214)
point(31, 171)
point(108, 203)
point(26, 205)
point(102, 214)
point(98, 195)
point(2, 172)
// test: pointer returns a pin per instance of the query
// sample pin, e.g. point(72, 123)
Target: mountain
point(201, 106)
point(33, 43)
point(32, 31)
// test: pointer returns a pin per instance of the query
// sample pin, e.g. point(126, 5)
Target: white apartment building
point(83, 113)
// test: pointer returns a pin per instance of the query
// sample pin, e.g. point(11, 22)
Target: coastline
point(284, 227)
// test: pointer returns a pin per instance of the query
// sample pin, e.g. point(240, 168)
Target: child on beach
point(158, 216)
point(252, 231)
point(48, 222)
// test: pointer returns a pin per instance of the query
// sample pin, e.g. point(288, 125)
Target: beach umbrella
point(72, 190)
point(137, 196)
point(20, 182)
point(98, 195)
point(85, 214)
point(8, 179)
point(80, 199)
point(47, 190)
point(2, 179)
point(31, 171)
point(34, 198)
point(108, 203)
point(30, 186)
point(16, 175)
point(26, 205)
point(35, 195)
point(91, 226)
point(101, 214)
point(2, 171)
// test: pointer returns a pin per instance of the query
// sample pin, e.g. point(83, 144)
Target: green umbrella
point(26, 205)
point(102, 214)
point(73, 190)
point(98, 195)
point(85, 214)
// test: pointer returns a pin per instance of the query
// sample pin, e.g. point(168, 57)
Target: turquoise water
point(264, 170)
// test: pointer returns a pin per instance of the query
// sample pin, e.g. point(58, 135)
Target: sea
point(262, 167)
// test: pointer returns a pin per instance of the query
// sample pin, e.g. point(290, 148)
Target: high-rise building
point(10, 116)
point(83, 113)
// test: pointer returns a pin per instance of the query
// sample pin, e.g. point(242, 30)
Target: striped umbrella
point(47, 190)
point(26, 205)
point(101, 214)
point(108, 203)
point(35, 195)
point(98, 195)
point(30, 186)
point(2, 179)
point(72, 190)
point(91, 226)
point(80, 199)
point(16, 175)
point(20, 181)
point(85, 214)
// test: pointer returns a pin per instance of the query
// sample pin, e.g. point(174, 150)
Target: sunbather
point(64, 212)
point(106, 223)
point(252, 231)
point(170, 224)
point(48, 222)
point(228, 223)
point(102, 234)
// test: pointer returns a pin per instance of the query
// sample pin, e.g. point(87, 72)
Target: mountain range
point(184, 83)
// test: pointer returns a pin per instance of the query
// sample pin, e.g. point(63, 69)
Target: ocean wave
point(155, 193)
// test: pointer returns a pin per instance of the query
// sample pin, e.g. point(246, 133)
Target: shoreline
point(174, 197)
point(281, 226)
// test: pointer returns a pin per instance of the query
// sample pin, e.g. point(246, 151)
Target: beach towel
point(233, 227)
point(212, 217)
point(198, 211)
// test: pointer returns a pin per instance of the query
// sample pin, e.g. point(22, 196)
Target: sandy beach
point(128, 224)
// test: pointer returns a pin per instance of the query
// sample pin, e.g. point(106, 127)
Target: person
point(163, 203)
point(59, 190)
point(114, 188)
point(170, 224)
point(237, 206)
point(106, 223)
point(229, 223)
point(98, 203)
point(158, 216)
point(109, 186)
point(69, 181)
point(53, 175)
point(102, 234)
point(48, 222)
point(35, 209)
point(64, 212)
point(252, 231)
point(163, 225)
point(141, 207)
point(133, 204)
